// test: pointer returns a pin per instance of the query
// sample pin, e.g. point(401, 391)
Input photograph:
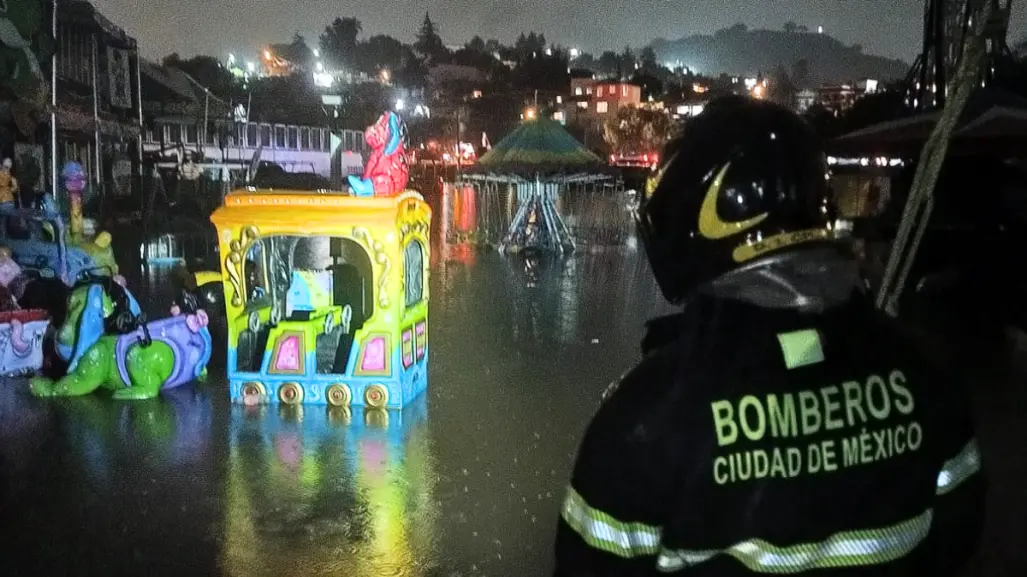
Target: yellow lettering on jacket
point(808, 432)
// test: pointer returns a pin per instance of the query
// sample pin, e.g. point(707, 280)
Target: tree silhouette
point(429, 44)
point(609, 62)
point(800, 73)
point(382, 52)
point(339, 41)
point(647, 58)
point(652, 86)
point(475, 44)
point(297, 51)
point(638, 131)
point(206, 71)
point(627, 63)
point(782, 89)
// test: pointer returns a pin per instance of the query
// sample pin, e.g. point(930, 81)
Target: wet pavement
point(467, 482)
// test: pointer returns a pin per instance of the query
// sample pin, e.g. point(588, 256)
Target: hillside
point(738, 50)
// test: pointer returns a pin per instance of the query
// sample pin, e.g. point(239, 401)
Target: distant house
point(601, 98)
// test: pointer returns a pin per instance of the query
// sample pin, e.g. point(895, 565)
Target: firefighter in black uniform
point(779, 424)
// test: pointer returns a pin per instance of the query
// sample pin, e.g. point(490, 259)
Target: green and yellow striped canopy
point(540, 145)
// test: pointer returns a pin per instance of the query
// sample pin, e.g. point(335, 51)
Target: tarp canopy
point(538, 147)
point(994, 121)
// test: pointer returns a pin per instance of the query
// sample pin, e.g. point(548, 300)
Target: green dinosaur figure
point(149, 367)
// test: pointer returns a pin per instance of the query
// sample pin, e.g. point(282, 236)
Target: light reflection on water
point(466, 483)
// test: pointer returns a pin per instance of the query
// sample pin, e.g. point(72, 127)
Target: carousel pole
point(145, 206)
point(75, 198)
point(53, 104)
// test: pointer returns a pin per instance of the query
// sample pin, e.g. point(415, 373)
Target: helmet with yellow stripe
point(745, 181)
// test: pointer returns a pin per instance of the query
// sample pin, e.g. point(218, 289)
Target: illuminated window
point(624, 90)
point(582, 105)
point(577, 91)
point(589, 90)
point(602, 107)
point(413, 268)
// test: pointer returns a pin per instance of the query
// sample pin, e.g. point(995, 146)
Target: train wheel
point(339, 395)
point(290, 394)
point(253, 393)
point(376, 396)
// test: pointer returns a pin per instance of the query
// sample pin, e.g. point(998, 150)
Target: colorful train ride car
point(326, 297)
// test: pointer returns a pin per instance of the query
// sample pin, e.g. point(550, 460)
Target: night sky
point(217, 27)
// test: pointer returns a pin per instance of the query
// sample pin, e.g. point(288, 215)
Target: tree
point(382, 52)
point(530, 46)
point(652, 87)
point(586, 61)
point(297, 52)
point(609, 62)
point(476, 44)
point(638, 131)
point(627, 62)
point(800, 73)
point(429, 44)
point(207, 71)
point(782, 90)
point(791, 27)
point(493, 45)
point(339, 41)
point(543, 72)
point(647, 58)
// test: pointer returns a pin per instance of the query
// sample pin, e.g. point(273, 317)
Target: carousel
point(540, 189)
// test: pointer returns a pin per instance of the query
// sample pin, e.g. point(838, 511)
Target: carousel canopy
point(537, 147)
point(993, 121)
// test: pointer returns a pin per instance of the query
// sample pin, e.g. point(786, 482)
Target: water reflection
point(329, 492)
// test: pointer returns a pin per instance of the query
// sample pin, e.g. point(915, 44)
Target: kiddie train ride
point(326, 293)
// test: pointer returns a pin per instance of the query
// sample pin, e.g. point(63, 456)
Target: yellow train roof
point(299, 208)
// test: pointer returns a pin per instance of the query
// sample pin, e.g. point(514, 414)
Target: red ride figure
point(386, 172)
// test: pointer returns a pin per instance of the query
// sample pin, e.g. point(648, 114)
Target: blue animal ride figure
point(111, 347)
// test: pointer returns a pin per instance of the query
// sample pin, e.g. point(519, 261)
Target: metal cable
point(920, 203)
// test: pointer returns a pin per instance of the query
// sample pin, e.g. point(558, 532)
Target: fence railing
point(597, 214)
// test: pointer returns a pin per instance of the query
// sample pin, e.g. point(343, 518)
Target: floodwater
point(466, 482)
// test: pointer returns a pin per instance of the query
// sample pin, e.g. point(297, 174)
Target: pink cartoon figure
point(387, 172)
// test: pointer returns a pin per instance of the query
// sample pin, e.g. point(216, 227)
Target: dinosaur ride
point(108, 345)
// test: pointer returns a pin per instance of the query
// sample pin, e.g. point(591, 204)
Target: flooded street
point(466, 482)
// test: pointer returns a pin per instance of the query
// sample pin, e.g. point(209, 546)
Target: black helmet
point(745, 179)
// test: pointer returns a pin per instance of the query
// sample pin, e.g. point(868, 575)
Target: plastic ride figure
point(326, 296)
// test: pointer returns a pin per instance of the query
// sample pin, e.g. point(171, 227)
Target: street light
point(317, 53)
point(530, 114)
point(400, 105)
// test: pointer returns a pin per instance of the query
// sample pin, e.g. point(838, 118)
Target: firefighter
point(779, 423)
